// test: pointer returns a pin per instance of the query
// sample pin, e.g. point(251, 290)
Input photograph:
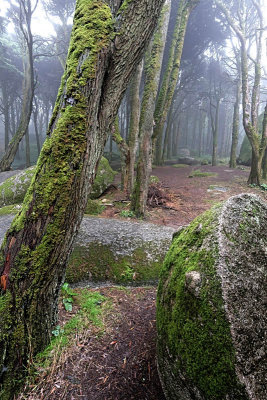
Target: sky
point(40, 24)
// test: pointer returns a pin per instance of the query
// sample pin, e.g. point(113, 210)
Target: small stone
point(193, 282)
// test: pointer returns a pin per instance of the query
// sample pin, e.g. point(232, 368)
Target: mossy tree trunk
point(250, 99)
point(134, 125)
point(152, 77)
point(170, 78)
point(107, 42)
point(25, 16)
point(128, 150)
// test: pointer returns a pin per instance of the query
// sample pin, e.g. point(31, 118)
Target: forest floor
point(113, 356)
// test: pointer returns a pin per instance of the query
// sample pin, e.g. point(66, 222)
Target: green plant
point(68, 295)
point(199, 174)
point(127, 274)
point(127, 214)
point(153, 179)
point(57, 331)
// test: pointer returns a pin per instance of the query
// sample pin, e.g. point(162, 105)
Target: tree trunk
point(28, 92)
point(215, 128)
point(134, 126)
point(101, 60)
point(171, 75)
point(27, 149)
point(6, 113)
point(125, 155)
point(167, 137)
point(264, 166)
point(35, 122)
point(153, 69)
point(235, 130)
point(255, 171)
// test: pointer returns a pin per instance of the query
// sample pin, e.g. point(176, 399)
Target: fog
point(204, 100)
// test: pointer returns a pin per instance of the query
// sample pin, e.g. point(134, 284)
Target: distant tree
point(102, 57)
point(10, 80)
point(171, 74)
point(21, 14)
point(245, 12)
point(63, 10)
point(153, 65)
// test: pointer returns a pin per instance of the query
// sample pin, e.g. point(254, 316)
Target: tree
point(22, 16)
point(63, 10)
point(107, 42)
point(250, 95)
point(128, 150)
point(152, 77)
point(170, 78)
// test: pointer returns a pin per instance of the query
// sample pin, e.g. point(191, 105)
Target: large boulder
point(211, 306)
point(188, 161)
point(13, 189)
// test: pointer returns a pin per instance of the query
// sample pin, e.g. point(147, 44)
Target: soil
point(120, 363)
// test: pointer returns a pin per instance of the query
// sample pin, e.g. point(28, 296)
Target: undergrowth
point(91, 307)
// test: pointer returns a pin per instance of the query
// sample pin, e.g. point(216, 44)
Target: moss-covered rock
point(245, 152)
point(13, 189)
point(113, 250)
point(104, 177)
point(211, 317)
point(118, 251)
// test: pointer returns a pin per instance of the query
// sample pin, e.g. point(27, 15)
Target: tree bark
point(106, 46)
point(153, 69)
point(134, 126)
point(235, 129)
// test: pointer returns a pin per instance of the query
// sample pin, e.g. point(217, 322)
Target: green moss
point(97, 262)
point(93, 207)
point(13, 189)
point(13, 209)
point(199, 174)
point(195, 328)
point(180, 165)
point(56, 176)
point(104, 177)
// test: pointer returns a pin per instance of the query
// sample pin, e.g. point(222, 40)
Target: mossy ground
point(200, 174)
point(180, 165)
point(193, 328)
point(98, 262)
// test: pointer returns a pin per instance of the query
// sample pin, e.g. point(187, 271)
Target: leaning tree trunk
point(153, 69)
point(106, 45)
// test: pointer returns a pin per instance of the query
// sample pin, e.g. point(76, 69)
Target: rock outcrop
point(114, 250)
point(211, 306)
point(13, 189)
